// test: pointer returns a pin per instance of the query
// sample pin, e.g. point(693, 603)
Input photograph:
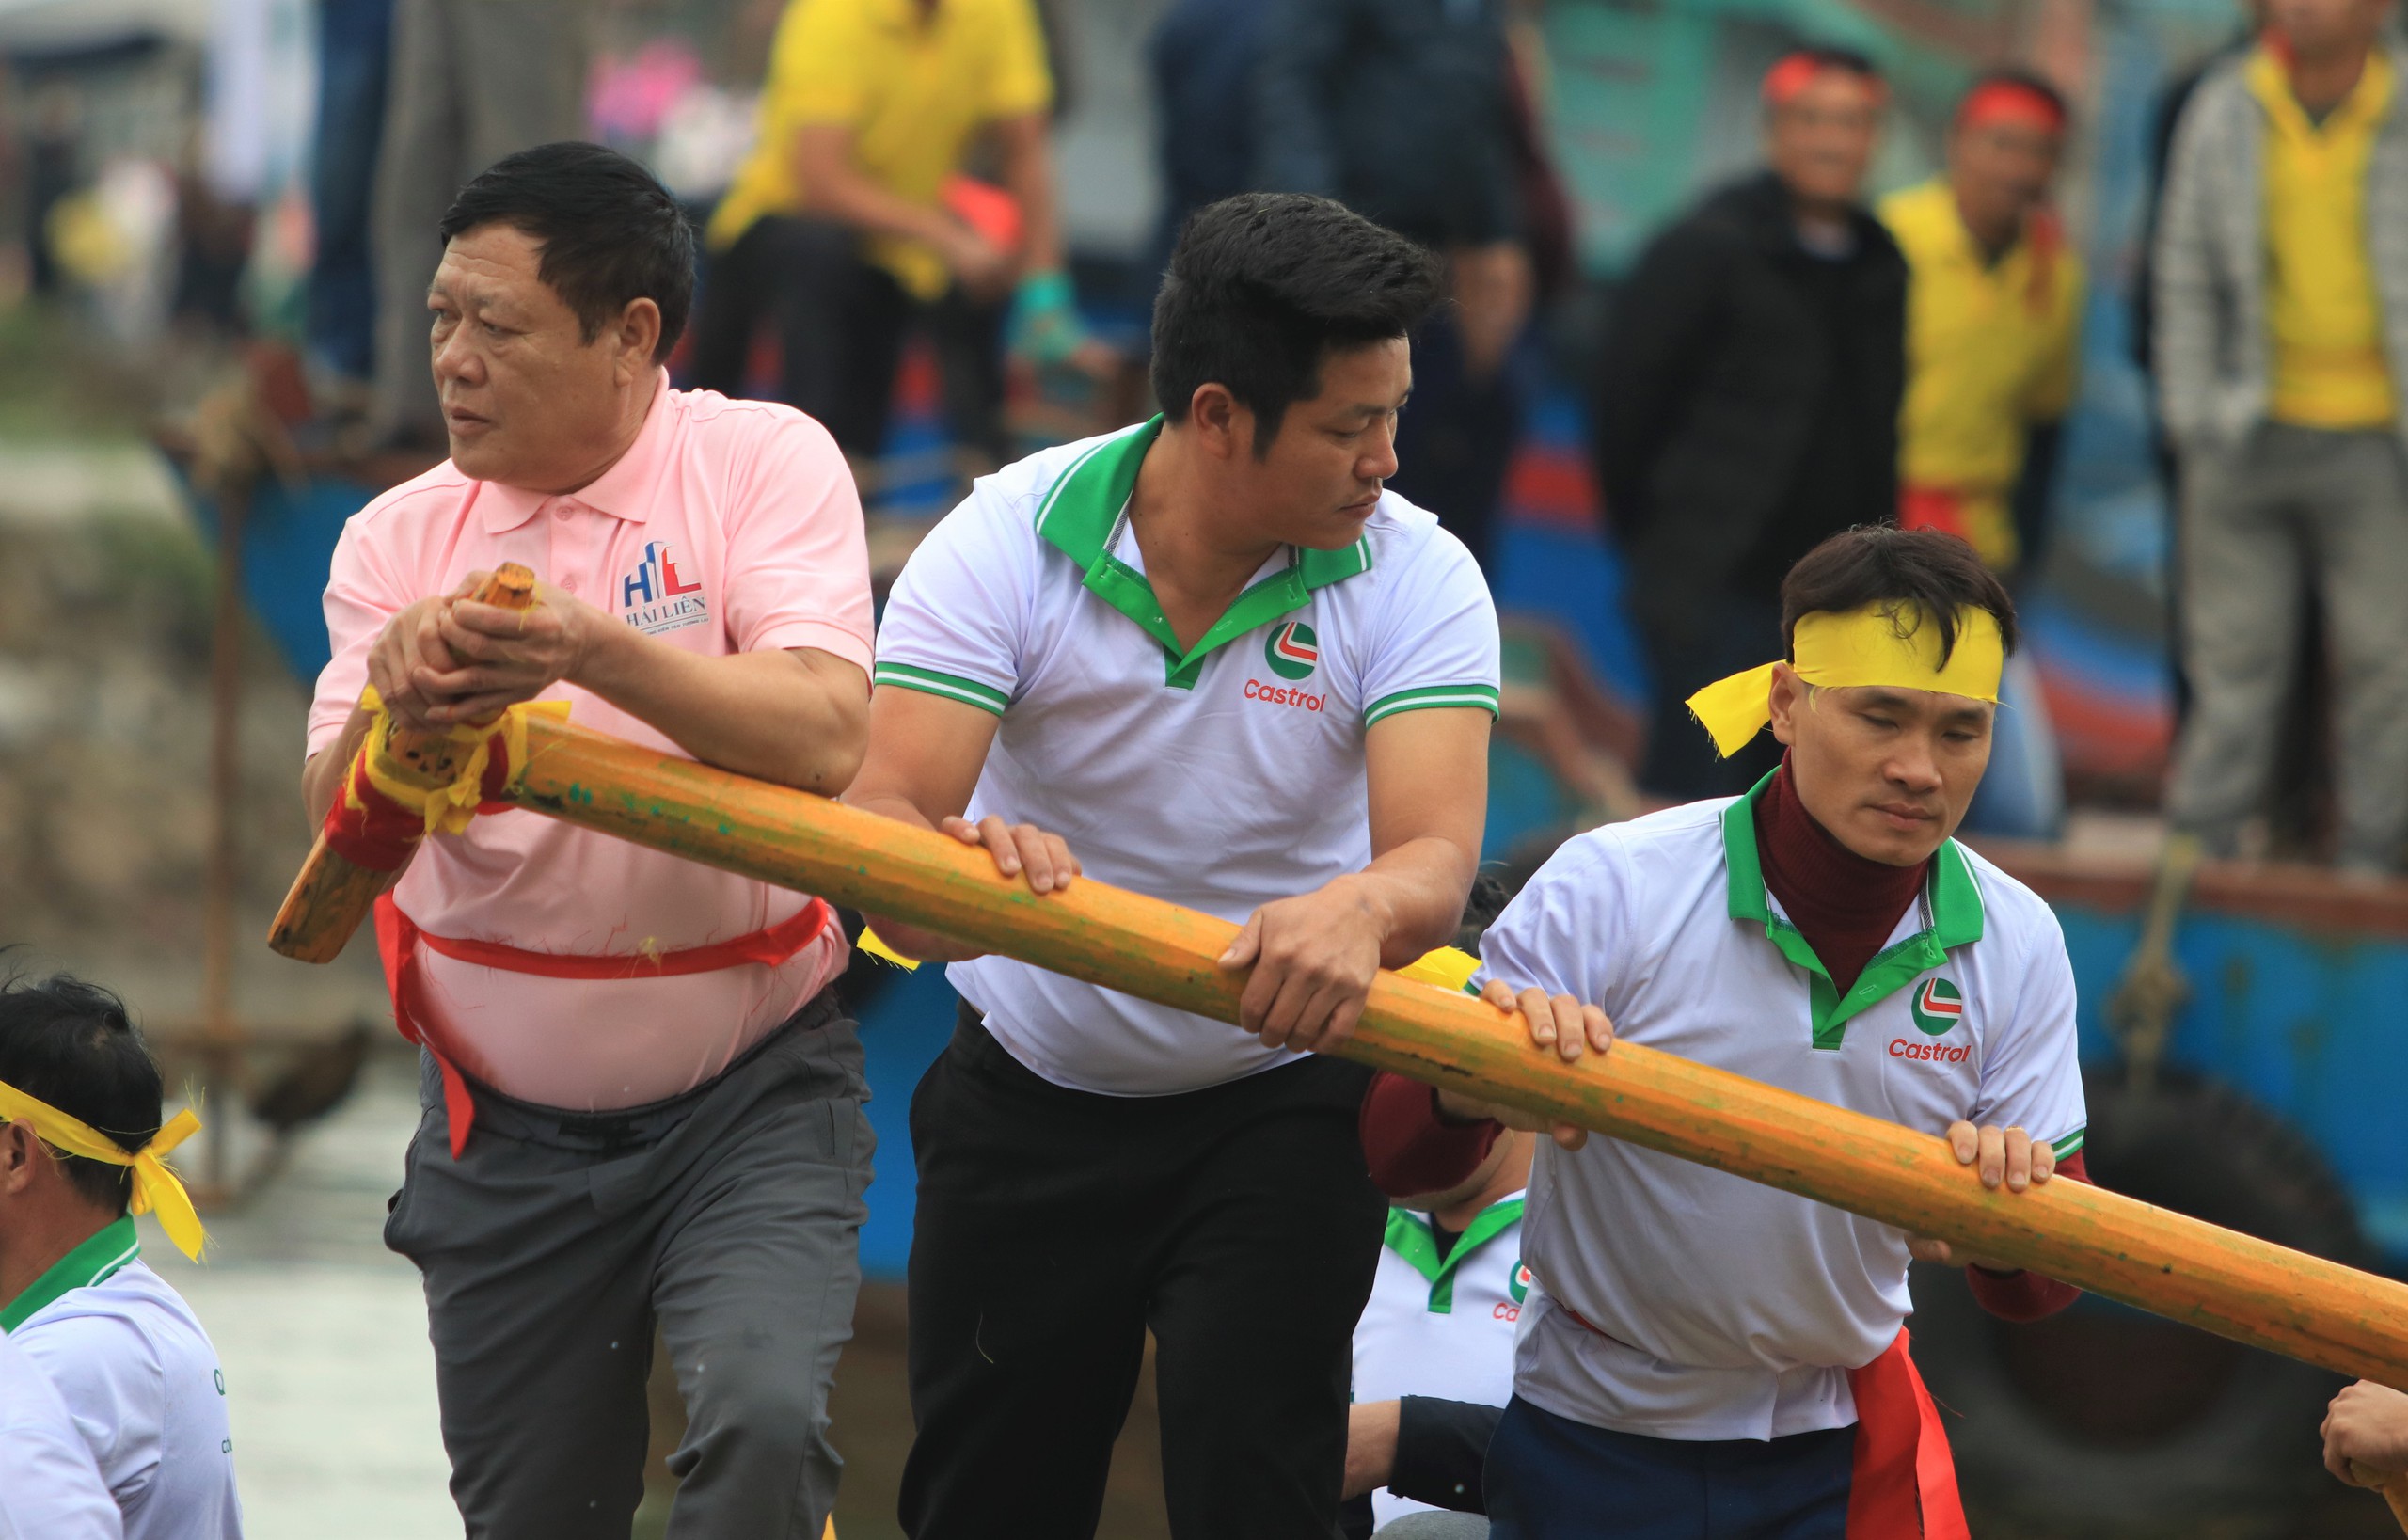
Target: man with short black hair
point(81, 1100)
point(1695, 1343)
point(643, 1105)
point(1746, 397)
point(1213, 656)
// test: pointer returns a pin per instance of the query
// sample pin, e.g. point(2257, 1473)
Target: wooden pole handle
point(2251, 1290)
point(332, 896)
point(2392, 1484)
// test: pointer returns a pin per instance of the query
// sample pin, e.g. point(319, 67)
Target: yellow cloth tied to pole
point(1887, 643)
point(156, 1188)
point(447, 808)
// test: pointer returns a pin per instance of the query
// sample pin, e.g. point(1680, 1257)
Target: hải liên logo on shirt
point(1938, 1006)
point(657, 597)
point(1292, 650)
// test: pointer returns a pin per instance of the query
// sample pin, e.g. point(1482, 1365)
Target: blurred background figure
point(1747, 400)
point(1993, 341)
point(1405, 111)
point(2281, 335)
point(355, 55)
point(469, 82)
point(853, 219)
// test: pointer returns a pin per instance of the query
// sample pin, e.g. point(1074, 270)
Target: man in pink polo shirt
point(655, 1107)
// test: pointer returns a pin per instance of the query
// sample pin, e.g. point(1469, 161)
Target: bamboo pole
point(2248, 1290)
point(332, 896)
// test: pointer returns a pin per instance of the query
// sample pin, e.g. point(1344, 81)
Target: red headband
point(1792, 73)
point(2010, 102)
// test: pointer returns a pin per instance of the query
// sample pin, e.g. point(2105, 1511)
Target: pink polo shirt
point(730, 526)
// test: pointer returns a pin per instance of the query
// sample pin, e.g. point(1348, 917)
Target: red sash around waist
point(398, 939)
point(1903, 1485)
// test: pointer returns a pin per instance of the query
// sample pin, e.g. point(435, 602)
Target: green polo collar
point(1410, 1237)
point(110, 1249)
point(1952, 917)
point(1082, 517)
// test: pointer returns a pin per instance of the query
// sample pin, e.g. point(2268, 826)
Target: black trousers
point(1055, 1227)
point(841, 322)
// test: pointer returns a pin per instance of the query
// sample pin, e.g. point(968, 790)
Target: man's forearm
point(1028, 175)
point(833, 188)
point(765, 714)
point(322, 777)
point(1418, 890)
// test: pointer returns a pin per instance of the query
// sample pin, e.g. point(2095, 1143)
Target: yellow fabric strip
point(876, 948)
point(156, 1186)
point(1883, 643)
point(447, 808)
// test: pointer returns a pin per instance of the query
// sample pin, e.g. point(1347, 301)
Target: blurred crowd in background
point(2117, 293)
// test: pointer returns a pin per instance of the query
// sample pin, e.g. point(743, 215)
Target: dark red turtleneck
point(1845, 905)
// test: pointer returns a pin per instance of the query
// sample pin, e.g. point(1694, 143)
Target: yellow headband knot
point(1896, 646)
point(156, 1186)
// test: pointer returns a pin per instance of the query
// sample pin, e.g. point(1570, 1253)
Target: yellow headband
point(155, 1187)
point(1881, 644)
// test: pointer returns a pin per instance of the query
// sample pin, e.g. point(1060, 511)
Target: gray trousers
point(2288, 508)
point(553, 1244)
point(472, 80)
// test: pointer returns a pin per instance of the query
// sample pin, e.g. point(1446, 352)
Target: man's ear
point(1222, 424)
point(1788, 697)
point(20, 1156)
point(638, 335)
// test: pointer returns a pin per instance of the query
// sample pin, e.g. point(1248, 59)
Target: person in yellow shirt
point(2282, 337)
point(1994, 316)
point(1994, 303)
point(850, 220)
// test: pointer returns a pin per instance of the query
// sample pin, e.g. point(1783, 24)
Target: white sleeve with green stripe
point(952, 625)
point(1433, 640)
point(2031, 1068)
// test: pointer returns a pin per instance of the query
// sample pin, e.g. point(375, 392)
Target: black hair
point(72, 1044)
point(1263, 285)
point(2022, 80)
point(611, 234)
point(1880, 564)
point(1488, 899)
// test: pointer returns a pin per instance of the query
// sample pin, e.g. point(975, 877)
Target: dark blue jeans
point(1550, 1477)
point(355, 54)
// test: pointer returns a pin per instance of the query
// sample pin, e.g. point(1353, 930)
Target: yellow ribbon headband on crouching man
point(1885, 643)
point(156, 1188)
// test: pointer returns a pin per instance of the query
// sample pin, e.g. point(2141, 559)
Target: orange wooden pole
point(332, 896)
point(2248, 1290)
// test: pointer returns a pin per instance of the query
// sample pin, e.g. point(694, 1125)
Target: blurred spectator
point(2282, 328)
point(1405, 111)
point(354, 53)
point(1434, 1352)
point(1993, 348)
point(1205, 54)
point(54, 148)
point(1747, 401)
point(851, 219)
point(469, 82)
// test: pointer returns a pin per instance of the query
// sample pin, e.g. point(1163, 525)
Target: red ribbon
point(398, 939)
point(381, 835)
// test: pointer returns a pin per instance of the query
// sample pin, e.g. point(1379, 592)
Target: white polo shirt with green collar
point(1222, 776)
point(1442, 1326)
point(1723, 1309)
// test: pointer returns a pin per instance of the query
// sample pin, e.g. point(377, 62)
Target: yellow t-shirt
point(1991, 349)
point(2329, 366)
point(913, 87)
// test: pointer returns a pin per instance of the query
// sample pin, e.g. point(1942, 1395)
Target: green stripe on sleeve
point(2070, 1143)
point(1481, 697)
point(951, 686)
